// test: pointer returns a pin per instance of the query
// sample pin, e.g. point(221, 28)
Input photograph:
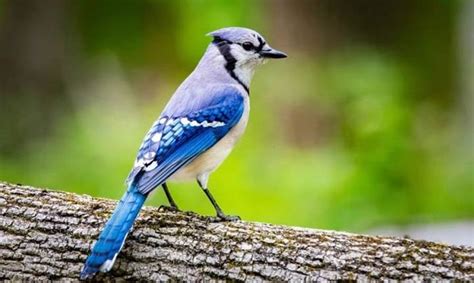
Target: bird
point(193, 135)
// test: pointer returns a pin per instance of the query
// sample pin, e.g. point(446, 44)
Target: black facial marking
point(248, 46)
point(262, 43)
point(224, 48)
point(218, 39)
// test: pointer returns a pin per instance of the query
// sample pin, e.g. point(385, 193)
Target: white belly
point(213, 157)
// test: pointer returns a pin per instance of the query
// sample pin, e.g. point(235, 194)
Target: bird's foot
point(224, 217)
point(172, 208)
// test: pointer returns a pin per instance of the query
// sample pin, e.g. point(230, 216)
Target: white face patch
point(247, 62)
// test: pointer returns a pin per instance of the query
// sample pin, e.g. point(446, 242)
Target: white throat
point(245, 73)
point(245, 64)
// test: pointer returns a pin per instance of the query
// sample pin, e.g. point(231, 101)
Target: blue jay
point(193, 135)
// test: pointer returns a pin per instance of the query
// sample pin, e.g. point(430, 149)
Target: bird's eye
point(247, 45)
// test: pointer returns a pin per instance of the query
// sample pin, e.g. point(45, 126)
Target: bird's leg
point(173, 205)
point(220, 214)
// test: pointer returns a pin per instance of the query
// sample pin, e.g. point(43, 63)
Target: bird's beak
point(268, 52)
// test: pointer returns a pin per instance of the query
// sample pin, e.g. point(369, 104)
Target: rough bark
point(47, 235)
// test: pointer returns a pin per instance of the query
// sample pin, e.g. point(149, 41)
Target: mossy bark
point(47, 235)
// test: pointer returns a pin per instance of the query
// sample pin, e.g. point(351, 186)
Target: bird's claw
point(230, 218)
point(169, 208)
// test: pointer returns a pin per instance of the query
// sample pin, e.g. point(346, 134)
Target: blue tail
point(113, 236)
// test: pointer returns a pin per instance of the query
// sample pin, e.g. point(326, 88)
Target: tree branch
point(47, 235)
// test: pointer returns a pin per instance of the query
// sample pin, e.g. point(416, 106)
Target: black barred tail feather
point(113, 236)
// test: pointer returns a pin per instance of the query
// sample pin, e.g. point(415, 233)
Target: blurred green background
point(369, 122)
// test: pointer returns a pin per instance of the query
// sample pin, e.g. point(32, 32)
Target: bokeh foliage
point(361, 126)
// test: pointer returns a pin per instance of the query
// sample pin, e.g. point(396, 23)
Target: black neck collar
point(224, 48)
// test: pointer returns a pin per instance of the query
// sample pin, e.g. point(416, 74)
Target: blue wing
point(177, 139)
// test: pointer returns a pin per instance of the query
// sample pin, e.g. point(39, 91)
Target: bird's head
point(243, 49)
point(244, 45)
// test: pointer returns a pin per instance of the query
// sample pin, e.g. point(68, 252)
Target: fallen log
point(46, 235)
